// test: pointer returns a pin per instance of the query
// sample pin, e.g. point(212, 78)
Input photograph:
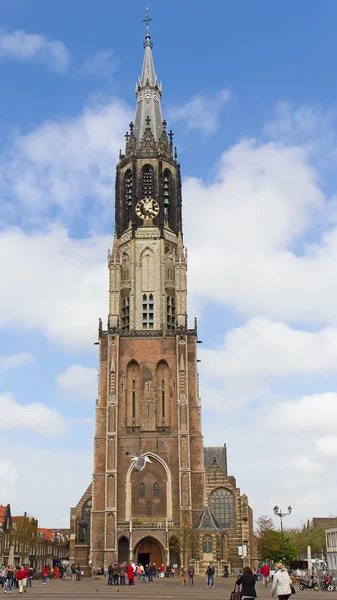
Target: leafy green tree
point(269, 542)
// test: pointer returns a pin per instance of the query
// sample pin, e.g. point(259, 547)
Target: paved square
point(160, 589)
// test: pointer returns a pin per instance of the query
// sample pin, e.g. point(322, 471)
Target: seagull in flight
point(138, 461)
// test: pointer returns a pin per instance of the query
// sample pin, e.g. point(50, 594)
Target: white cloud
point(35, 417)
point(66, 284)
point(79, 381)
point(23, 46)
point(9, 476)
point(102, 64)
point(43, 499)
point(201, 113)
point(305, 463)
point(67, 165)
point(264, 348)
point(316, 412)
point(241, 253)
point(327, 446)
point(16, 360)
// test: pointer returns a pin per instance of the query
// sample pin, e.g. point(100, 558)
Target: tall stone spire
point(148, 93)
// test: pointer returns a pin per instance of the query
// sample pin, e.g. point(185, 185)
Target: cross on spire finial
point(147, 35)
point(148, 121)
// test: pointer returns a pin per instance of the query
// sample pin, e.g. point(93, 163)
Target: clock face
point(147, 208)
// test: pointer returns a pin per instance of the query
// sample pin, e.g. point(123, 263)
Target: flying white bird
point(138, 461)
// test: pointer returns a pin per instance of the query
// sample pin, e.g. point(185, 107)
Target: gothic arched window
point(149, 509)
point(147, 181)
point(207, 545)
point(156, 490)
point(128, 188)
point(223, 507)
point(142, 490)
point(167, 192)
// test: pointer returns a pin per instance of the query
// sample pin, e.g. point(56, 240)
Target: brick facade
point(148, 397)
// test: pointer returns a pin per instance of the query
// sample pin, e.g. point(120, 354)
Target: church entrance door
point(149, 550)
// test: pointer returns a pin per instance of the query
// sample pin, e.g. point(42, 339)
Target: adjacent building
point(183, 506)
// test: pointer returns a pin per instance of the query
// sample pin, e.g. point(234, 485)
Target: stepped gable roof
point(207, 521)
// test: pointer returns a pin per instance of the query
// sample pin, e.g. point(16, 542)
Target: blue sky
point(250, 93)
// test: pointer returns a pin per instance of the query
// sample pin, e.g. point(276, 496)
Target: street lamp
point(279, 513)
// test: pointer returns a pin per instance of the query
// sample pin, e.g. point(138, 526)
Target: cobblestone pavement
point(160, 589)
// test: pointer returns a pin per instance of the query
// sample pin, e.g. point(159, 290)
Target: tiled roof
point(2, 512)
point(49, 534)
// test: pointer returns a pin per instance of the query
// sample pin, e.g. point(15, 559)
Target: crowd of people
point(120, 573)
point(19, 577)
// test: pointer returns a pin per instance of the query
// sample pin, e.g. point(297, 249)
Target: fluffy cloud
point(326, 446)
point(43, 499)
point(34, 417)
point(79, 381)
point(201, 113)
point(67, 166)
point(242, 255)
point(264, 348)
point(305, 463)
point(9, 476)
point(315, 413)
point(65, 286)
point(23, 46)
point(16, 360)
point(102, 64)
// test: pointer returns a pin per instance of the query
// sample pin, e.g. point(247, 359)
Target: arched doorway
point(123, 549)
point(149, 550)
point(174, 549)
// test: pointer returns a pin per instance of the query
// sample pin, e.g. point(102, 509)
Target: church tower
point(148, 401)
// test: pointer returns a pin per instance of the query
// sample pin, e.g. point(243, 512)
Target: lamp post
point(279, 513)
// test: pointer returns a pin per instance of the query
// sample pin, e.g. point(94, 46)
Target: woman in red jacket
point(45, 574)
point(130, 574)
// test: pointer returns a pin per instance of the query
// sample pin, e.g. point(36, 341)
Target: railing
point(125, 526)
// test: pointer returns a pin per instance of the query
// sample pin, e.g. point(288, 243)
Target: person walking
point(247, 582)
point(3, 575)
point(183, 575)
point(190, 571)
point(9, 577)
point(44, 574)
point(73, 572)
point(21, 577)
point(210, 572)
point(265, 572)
point(30, 577)
point(110, 575)
point(281, 582)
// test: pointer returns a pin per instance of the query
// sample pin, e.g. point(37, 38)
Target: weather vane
point(147, 20)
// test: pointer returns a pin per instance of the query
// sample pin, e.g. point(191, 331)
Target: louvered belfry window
point(147, 181)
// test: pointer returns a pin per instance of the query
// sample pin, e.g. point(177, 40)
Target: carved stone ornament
point(181, 342)
point(147, 147)
point(112, 400)
point(183, 399)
